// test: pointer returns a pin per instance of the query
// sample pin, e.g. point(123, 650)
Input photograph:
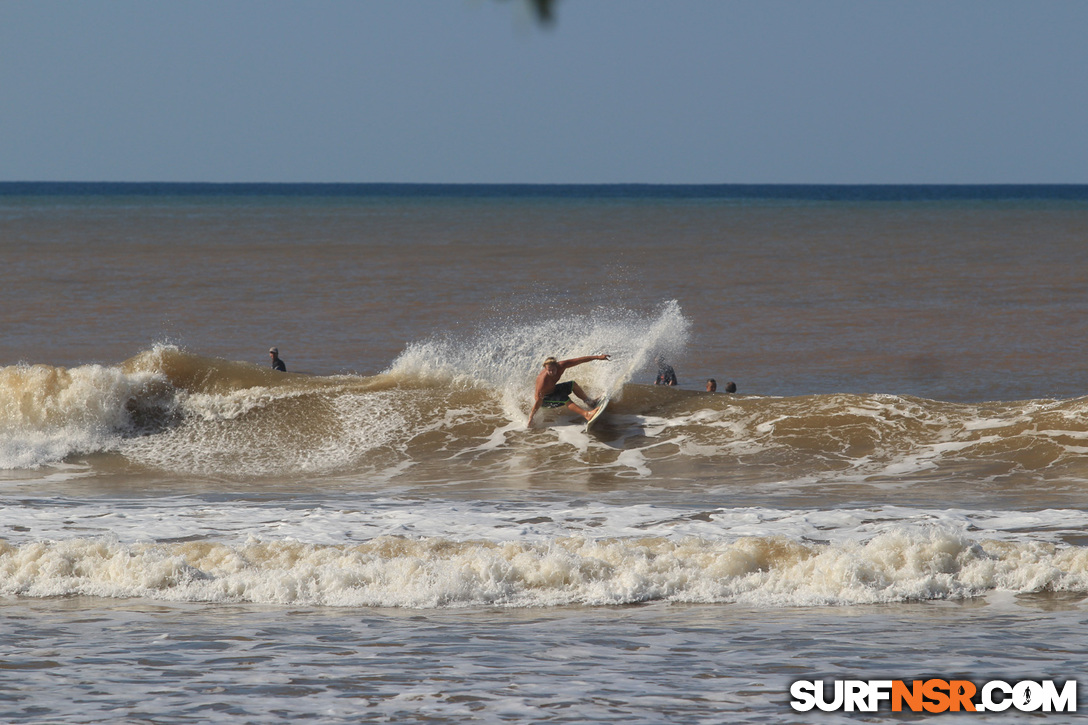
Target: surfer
point(550, 393)
point(277, 364)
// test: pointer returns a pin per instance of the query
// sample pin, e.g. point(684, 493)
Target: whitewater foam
point(379, 551)
point(219, 436)
point(48, 413)
point(894, 566)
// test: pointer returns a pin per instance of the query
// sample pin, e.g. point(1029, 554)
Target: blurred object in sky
point(544, 10)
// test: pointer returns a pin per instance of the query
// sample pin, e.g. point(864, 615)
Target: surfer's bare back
point(551, 394)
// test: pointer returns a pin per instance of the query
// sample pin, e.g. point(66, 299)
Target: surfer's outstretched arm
point(564, 364)
point(536, 407)
point(541, 389)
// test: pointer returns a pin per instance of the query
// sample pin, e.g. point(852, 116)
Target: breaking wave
point(453, 408)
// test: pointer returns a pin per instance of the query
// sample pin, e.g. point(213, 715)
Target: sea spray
point(505, 356)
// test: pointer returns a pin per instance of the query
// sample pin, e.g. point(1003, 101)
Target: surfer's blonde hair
point(550, 360)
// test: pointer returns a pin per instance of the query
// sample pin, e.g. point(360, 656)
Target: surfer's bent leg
point(582, 394)
point(574, 407)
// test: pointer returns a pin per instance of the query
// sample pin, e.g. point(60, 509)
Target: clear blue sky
point(654, 91)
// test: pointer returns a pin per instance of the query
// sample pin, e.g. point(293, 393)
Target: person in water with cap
point(550, 393)
point(665, 374)
point(277, 364)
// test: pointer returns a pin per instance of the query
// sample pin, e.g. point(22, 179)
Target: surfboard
point(597, 413)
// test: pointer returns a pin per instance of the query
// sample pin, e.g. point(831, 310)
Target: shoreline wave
point(436, 572)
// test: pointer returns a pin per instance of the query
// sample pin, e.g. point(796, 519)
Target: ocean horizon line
point(829, 192)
